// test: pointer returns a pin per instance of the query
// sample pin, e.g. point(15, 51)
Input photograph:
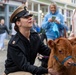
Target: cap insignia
point(25, 8)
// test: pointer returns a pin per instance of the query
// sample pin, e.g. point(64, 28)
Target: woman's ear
point(18, 23)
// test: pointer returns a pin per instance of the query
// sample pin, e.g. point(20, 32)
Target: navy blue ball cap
point(20, 12)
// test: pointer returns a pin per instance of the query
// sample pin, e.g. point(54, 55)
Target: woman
point(3, 30)
point(53, 23)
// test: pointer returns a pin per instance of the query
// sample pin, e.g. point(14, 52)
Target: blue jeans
point(2, 38)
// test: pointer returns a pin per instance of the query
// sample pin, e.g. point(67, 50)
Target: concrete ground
point(2, 61)
point(3, 58)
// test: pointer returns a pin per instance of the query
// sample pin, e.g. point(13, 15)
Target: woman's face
point(26, 22)
point(2, 21)
point(53, 8)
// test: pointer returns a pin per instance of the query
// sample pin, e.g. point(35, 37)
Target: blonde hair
point(54, 4)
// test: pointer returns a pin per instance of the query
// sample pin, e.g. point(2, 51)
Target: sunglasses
point(26, 17)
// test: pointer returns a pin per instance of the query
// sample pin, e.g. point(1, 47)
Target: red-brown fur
point(73, 43)
point(61, 48)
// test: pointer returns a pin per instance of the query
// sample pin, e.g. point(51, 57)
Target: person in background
point(3, 30)
point(43, 34)
point(35, 27)
point(64, 32)
point(24, 46)
point(13, 30)
point(53, 23)
point(73, 32)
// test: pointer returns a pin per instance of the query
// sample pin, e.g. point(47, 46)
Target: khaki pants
point(19, 73)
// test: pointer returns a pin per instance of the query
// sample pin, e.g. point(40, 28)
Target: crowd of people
point(27, 40)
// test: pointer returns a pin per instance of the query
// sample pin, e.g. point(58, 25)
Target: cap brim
point(28, 14)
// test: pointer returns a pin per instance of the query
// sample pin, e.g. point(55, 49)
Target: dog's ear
point(72, 41)
point(51, 43)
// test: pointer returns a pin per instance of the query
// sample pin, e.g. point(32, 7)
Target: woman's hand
point(57, 22)
point(50, 20)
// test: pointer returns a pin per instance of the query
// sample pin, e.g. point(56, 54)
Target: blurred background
point(38, 7)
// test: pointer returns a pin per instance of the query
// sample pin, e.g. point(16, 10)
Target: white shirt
point(13, 30)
